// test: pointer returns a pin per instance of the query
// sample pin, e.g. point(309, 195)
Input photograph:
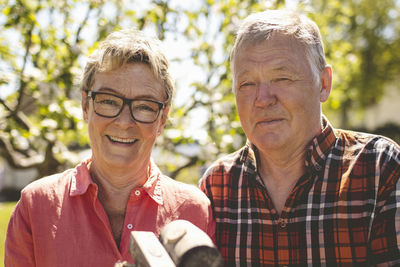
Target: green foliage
point(362, 44)
point(50, 40)
point(5, 212)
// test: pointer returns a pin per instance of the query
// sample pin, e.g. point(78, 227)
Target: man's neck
point(280, 173)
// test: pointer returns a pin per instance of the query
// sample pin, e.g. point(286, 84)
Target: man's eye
point(282, 79)
point(246, 85)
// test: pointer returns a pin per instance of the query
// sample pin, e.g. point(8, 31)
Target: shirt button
point(130, 226)
point(282, 223)
point(137, 193)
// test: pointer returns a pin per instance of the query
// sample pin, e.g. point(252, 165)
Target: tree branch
point(15, 159)
point(78, 32)
point(18, 116)
point(191, 162)
point(22, 84)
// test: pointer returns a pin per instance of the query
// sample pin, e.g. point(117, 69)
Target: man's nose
point(265, 95)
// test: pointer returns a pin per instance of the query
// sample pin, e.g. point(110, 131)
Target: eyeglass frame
point(126, 101)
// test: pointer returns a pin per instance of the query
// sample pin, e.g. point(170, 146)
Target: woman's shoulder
point(184, 191)
point(52, 185)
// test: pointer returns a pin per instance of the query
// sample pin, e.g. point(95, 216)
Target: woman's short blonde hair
point(129, 46)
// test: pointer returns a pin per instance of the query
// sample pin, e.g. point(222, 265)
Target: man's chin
point(270, 142)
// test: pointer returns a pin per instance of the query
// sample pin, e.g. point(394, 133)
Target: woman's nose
point(125, 115)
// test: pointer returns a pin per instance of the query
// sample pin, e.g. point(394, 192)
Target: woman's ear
point(85, 105)
point(326, 83)
point(164, 118)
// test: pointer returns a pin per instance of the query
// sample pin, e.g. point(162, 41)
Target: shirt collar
point(316, 154)
point(81, 180)
point(320, 146)
point(153, 183)
point(248, 158)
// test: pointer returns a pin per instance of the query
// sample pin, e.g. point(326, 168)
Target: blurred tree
point(363, 46)
point(43, 44)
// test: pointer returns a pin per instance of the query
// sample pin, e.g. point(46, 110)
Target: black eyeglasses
point(110, 106)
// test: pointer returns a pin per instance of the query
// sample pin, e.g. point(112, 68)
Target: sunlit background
point(44, 46)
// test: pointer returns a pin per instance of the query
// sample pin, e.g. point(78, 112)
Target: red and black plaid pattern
point(345, 211)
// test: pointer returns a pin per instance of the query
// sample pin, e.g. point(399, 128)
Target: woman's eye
point(145, 108)
point(109, 102)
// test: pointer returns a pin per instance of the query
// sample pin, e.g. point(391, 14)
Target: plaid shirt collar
point(317, 151)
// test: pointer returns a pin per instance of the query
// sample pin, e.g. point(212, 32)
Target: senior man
point(300, 191)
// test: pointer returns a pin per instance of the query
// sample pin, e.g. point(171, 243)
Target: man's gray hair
point(261, 26)
point(129, 46)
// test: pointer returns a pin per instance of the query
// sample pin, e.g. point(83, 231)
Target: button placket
point(282, 223)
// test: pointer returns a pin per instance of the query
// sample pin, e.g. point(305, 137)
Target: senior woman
point(83, 216)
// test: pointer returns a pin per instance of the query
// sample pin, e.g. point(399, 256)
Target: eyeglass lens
point(110, 106)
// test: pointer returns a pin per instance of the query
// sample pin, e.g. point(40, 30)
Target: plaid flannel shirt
point(344, 211)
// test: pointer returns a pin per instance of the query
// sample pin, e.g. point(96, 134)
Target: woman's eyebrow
point(108, 89)
point(142, 97)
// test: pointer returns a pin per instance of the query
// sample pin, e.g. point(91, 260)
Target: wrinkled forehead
point(264, 45)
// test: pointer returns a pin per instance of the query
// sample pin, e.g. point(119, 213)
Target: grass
point(5, 212)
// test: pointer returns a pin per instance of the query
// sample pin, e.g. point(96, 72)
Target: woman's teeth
point(122, 140)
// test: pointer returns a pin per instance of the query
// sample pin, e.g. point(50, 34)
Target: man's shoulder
point(225, 165)
point(372, 142)
point(370, 150)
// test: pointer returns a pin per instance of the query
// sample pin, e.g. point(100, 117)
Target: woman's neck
point(116, 178)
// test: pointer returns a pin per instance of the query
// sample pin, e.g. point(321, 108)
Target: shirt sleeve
point(211, 225)
point(204, 184)
point(385, 231)
point(19, 243)
point(211, 229)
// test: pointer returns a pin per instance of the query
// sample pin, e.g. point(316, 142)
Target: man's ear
point(85, 105)
point(326, 83)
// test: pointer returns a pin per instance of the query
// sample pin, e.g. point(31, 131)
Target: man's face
point(277, 97)
point(122, 141)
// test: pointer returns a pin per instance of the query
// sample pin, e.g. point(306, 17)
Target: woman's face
point(122, 142)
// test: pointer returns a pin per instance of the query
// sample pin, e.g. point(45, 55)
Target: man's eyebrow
point(283, 68)
point(242, 72)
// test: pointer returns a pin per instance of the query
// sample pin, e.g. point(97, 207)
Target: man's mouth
point(116, 139)
point(270, 121)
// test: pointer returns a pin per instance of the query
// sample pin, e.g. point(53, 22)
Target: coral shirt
point(59, 220)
